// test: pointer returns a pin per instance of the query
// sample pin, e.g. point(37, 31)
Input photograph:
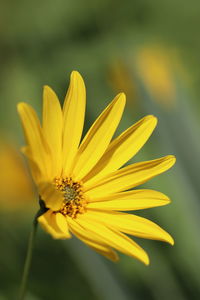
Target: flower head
point(81, 182)
point(157, 69)
point(16, 189)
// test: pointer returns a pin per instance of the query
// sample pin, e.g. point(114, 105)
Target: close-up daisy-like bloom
point(83, 183)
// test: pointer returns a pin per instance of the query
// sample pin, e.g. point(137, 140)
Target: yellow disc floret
point(74, 201)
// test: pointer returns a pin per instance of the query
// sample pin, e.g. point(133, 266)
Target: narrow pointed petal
point(52, 127)
point(53, 198)
point(98, 137)
point(105, 251)
point(55, 224)
point(131, 224)
point(91, 240)
point(131, 200)
point(123, 148)
point(130, 176)
point(74, 114)
point(114, 238)
point(38, 146)
point(36, 172)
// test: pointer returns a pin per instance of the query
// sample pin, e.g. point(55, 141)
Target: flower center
point(74, 202)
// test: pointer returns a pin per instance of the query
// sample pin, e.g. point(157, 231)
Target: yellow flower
point(156, 67)
point(81, 185)
point(14, 173)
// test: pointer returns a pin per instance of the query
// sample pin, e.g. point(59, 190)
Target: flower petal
point(131, 200)
point(53, 198)
point(98, 137)
point(129, 177)
point(103, 250)
point(52, 127)
point(123, 148)
point(91, 240)
point(34, 167)
point(39, 149)
point(74, 113)
point(55, 224)
point(113, 238)
point(131, 224)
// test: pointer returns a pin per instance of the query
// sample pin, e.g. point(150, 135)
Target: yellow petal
point(98, 137)
point(130, 177)
point(52, 127)
point(53, 198)
point(131, 200)
point(131, 224)
point(105, 251)
point(34, 167)
point(113, 238)
point(91, 240)
point(34, 137)
point(123, 148)
point(55, 224)
point(74, 113)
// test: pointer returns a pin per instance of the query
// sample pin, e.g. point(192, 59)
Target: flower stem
point(28, 261)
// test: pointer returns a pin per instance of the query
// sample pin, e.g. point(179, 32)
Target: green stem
point(28, 261)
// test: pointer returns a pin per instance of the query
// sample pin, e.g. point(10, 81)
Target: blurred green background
point(151, 51)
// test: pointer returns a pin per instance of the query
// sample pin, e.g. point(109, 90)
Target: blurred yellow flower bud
point(16, 189)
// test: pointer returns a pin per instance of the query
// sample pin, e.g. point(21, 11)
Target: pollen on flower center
point(70, 193)
point(74, 201)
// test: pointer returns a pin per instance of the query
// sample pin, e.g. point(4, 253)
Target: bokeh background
point(151, 51)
